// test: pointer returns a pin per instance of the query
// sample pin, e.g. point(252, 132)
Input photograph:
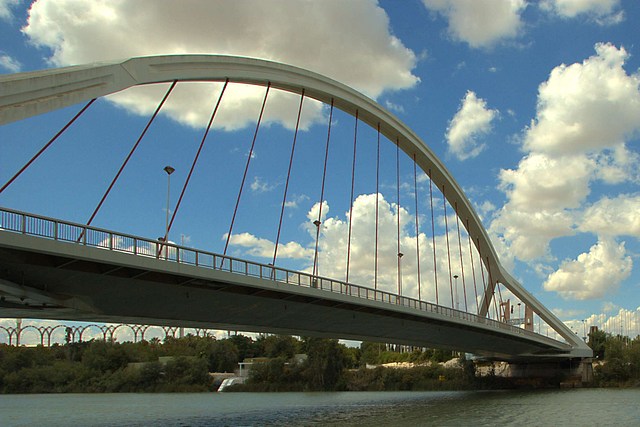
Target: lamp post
point(316, 267)
point(400, 255)
point(169, 170)
point(455, 291)
point(519, 314)
point(584, 330)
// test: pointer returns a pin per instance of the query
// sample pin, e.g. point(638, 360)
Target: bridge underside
point(56, 280)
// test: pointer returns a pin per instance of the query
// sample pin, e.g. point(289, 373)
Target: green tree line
point(184, 364)
point(617, 359)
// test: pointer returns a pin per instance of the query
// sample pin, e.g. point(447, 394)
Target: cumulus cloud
point(332, 256)
point(601, 11)
point(543, 182)
point(616, 216)
point(10, 64)
point(527, 234)
point(586, 106)
point(586, 114)
point(480, 23)
point(618, 165)
point(472, 121)
point(5, 8)
point(333, 245)
point(263, 248)
point(374, 60)
point(592, 275)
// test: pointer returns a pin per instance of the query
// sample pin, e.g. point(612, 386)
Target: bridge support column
point(565, 373)
point(586, 366)
point(568, 373)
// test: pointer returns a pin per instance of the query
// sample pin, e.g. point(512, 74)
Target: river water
point(579, 407)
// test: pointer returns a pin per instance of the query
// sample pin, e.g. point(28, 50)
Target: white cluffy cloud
point(333, 247)
point(592, 275)
point(586, 106)
point(308, 34)
point(601, 11)
point(10, 64)
point(264, 248)
point(616, 216)
point(5, 8)
point(480, 23)
point(472, 120)
point(586, 114)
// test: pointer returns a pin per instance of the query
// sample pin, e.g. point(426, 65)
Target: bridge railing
point(63, 231)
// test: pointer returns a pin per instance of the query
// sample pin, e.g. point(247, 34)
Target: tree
point(223, 356)
point(371, 352)
point(104, 357)
point(325, 363)
point(616, 367)
point(246, 346)
point(279, 346)
point(597, 340)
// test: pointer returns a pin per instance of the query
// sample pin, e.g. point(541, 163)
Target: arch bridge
point(448, 284)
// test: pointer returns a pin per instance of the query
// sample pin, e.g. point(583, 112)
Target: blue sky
point(533, 106)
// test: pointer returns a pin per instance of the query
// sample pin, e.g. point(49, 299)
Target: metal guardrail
point(63, 231)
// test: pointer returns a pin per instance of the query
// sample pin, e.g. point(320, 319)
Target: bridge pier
point(567, 373)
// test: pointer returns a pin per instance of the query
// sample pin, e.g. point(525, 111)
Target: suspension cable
point(47, 145)
point(433, 236)
point(286, 186)
point(499, 296)
point(246, 169)
point(375, 270)
point(490, 286)
point(446, 230)
point(415, 196)
point(400, 254)
point(324, 175)
point(495, 304)
point(353, 174)
point(195, 160)
point(484, 281)
point(464, 288)
point(473, 269)
point(133, 149)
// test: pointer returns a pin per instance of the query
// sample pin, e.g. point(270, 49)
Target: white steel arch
point(24, 95)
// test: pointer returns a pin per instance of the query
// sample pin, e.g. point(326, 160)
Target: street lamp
point(584, 330)
point(519, 314)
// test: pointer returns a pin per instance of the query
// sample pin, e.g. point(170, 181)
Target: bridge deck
point(60, 270)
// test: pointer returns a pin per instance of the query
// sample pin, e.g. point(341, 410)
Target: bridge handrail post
point(23, 224)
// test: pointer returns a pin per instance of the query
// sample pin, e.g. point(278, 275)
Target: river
point(579, 407)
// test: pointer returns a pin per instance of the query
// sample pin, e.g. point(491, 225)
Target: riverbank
point(185, 364)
